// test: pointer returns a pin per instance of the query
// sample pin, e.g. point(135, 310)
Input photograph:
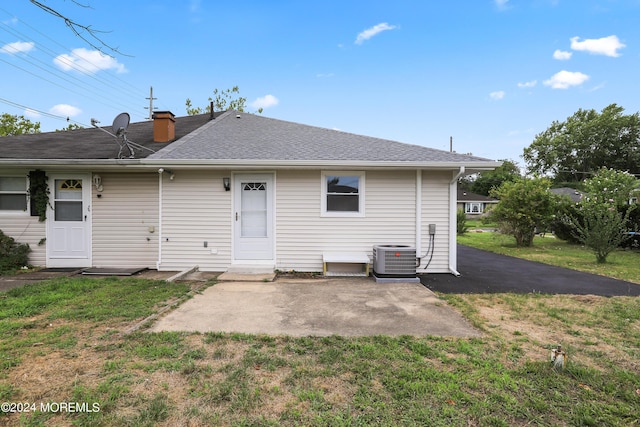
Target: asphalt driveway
point(486, 272)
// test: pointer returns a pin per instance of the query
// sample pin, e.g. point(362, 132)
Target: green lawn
point(61, 341)
point(621, 264)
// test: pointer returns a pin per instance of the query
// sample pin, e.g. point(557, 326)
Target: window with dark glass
point(13, 193)
point(343, 193)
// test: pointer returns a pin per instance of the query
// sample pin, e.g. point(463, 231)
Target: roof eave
point(68, 164)
point(471, 167)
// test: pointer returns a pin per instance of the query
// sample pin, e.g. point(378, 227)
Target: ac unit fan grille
point(393, 260)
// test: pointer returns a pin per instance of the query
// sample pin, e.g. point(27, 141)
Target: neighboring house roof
point(572, 193)
point(234, 139)
point(467, 197)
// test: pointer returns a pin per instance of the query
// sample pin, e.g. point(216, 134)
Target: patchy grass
point(621, 264)
point(60, 342)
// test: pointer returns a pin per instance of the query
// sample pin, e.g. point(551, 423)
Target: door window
point(254, 209)
point(68, 200)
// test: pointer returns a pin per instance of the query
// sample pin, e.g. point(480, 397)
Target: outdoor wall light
point(226, 182)
point(97, 182)
point(170, 172)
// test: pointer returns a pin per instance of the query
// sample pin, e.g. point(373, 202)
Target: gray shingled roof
point(90, 143)
point(467, 196)
point(246, 137)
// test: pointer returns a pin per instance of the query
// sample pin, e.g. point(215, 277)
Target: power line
point(99, 95)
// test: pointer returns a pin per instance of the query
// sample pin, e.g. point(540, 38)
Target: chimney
point(164, 126)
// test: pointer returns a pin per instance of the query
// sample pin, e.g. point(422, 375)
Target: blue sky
point(490, 73)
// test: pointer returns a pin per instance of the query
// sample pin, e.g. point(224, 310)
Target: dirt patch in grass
point(539, 324)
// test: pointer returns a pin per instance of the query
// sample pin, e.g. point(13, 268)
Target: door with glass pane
point(253, 217)
point(69, 221)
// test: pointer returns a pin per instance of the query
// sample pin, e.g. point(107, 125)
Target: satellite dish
point(120, 123)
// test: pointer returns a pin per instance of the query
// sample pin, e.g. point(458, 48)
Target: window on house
point(343, 193)
point(473, 208)
point(13, 193)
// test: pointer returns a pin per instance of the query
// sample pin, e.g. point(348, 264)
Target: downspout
point(453, 250)
point(159, 262)
point(418, 213)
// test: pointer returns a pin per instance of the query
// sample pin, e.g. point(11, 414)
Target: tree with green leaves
point(70, 126)
point(524, 205)
point(17, 125)
point(585, 142)
point(601, 220)
point(227, 99)
point(484, 182)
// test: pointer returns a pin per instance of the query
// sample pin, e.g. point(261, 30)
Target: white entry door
point(69, 221)
point(253, 217)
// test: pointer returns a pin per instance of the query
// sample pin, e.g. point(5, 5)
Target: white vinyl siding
point(303, 234)
point(27, 229)
point(125, 220)
point(196, 209)
point(23, 227)
point(435, 210)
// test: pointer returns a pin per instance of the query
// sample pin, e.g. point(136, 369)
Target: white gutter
point(453, 250)
point(249, 164)
point(159, 262)
point(330, 164)
point(418, 212)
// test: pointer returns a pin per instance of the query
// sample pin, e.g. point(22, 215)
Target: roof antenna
point(211, 110)
point(151, 107)
point(119, 128)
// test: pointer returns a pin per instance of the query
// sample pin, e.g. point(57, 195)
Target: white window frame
point(468, 207)
point(25, 212)
point(361, 192)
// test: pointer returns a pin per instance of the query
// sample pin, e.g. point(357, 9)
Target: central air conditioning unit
point(394, 261)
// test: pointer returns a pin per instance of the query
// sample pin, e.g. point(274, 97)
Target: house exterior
point(571, 193)
point(474, 205)
point(228, 190)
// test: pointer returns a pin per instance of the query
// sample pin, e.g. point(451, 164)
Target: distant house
point(474, 205)
point(228, 191)
point(571, 193)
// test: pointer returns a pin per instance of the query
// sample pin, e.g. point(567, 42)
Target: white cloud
point(603, 46)
point(65, 110)
point(325, 75)
point(11, 21)
point(17, 47)
point(501, 4)
point(562, 55)
point(88, 62)
point(565, 79)
point(373, 31)
point(532, 83)
point(265, 102)
point(497, 95)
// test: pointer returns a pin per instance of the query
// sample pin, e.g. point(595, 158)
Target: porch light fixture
point(97, 183)
point(226, 182)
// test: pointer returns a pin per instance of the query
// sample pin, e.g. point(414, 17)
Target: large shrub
point(461, 222)
point(13, 255)
point(525, 204)
point(603, 219)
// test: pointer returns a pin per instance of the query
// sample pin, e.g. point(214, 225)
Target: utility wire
point(99, 95)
